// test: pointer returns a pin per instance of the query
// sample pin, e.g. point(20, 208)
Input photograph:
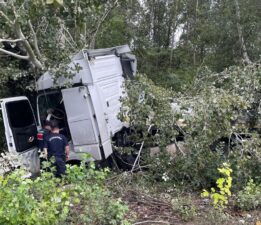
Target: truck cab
point(86, 106)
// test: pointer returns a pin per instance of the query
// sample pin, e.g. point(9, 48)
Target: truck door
point(20, 124)
point(81, 120)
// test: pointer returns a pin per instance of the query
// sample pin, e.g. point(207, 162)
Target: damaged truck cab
point(86, 106)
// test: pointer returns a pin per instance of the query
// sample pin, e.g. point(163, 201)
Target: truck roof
point(82, 59)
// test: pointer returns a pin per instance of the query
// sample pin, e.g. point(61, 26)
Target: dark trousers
point(60, 166)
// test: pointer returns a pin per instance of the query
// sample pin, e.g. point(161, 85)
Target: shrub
point(220, 197)
point(25, 201)
point(184, 207)
point(79, 197)
point(223, 109)
point(95, 204)
point(196, 169)
point(217, 217)
point(250, 197)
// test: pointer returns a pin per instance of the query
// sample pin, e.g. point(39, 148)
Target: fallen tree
point(217, 107)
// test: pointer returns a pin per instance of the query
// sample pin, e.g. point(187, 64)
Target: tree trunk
point(195, 35)
point(240, 35)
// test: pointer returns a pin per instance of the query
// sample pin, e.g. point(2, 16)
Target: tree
point(240, 34)
point(43, 34)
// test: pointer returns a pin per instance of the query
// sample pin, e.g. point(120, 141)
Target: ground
point(160, 204)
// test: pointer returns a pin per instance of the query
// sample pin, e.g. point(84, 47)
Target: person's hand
point(67, 157)
point(44, 154)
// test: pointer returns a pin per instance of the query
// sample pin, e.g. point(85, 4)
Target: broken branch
point(24, 57)
point(11, 40)
point(138, 157)
point(150, 222)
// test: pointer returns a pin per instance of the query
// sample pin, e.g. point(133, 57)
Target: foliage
point(225, 119)
point(28, 201)
point(184, 207)
point(38, 35)
point(146, 106)
point(9, 162)
point(224, 184)
point(223, 104)
point(195, 170)
point(220, 115)
point(250, 197)
point(217, 217)
point(50, 200)
point(162, 66)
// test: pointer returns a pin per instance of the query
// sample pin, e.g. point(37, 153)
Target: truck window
point(53, 103)
point(49, 101)
point(20, 114)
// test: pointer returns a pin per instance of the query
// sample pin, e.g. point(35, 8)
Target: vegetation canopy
point(193, 110)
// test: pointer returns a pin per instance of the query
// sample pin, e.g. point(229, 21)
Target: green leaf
point(60, 2)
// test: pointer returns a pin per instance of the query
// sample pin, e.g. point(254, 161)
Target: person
point(56, 145)
point(43, 133)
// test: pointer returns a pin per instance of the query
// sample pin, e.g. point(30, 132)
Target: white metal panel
point(108, 80)
point(80, 134)
point(107, 148)
point(81, 121)
point(104, 67)
point(100, 116)
point(94, 150)
point(99, 112)
point(83, 76)
point(111, 91)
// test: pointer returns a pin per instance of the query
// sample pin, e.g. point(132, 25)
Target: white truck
point(87, 110)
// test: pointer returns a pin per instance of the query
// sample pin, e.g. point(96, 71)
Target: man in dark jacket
point(57, 146)
point(41, 138)
point(43, 134)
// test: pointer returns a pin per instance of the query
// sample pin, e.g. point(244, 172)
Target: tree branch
point(11, 40)
point(32, 56)
point(24, 57)
point(9, 22)
point(92, 43)
point(138, 157)
point(35, 42)
point(150, 222)
point(27, 46)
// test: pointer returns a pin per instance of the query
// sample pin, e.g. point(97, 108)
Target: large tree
point(37, 35)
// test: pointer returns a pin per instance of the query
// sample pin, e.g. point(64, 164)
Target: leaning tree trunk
point(240, 35)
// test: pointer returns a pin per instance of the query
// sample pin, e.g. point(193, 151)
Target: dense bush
point(147, 106)
point(80, 197)
point(220, 124)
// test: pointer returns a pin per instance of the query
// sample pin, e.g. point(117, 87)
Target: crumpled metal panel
point(31, 160)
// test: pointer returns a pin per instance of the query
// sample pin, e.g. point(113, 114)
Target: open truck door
point(87, 126)
point(21, 130)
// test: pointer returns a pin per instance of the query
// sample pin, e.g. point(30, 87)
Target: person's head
point(47, 124)
point(54, 126)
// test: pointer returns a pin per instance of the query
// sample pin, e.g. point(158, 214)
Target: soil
point(155, 208)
